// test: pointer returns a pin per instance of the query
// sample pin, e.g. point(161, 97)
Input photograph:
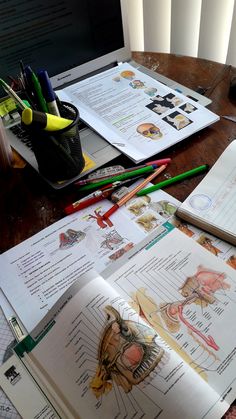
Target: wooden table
point(28, 205)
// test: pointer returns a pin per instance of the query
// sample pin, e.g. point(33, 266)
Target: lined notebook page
point(214, 199)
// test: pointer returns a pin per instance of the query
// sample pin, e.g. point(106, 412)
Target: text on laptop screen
point(57, 35)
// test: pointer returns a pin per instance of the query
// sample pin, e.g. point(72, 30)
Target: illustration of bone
point(70, 238)
point(139, 205)
point(150, 91)
point(137, 84)
point(127, 74)
point(164, 208)
point(102, 223)
point(174, 100)
point(149, 130)
point(127, 354)
point(112, 240)
point(160, 109)
point(207, 243)
point(182, 227)
point(147, 221)
point(188, 108)
point(157, 99)
point(232, 261)
point(179, 121)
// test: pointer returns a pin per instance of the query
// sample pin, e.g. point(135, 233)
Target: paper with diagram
point(137, 114)
point(110, 362)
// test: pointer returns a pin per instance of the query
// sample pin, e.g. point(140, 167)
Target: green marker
point(174, 179)
point(124, 176)
point(36, 89)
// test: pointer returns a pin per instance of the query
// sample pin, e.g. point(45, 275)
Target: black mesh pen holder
point(59, 153)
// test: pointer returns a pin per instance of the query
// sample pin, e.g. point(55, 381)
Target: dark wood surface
point(28, 204)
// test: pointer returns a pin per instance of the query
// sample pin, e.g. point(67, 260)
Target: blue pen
point(48, 92)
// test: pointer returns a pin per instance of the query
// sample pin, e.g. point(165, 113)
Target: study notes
point(135, 113)
point(212, 204)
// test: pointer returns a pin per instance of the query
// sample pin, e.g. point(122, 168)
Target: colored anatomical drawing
point(127, 354)
point(198, 289)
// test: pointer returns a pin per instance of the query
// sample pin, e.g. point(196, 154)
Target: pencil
point(130, 194)
point(174, 179)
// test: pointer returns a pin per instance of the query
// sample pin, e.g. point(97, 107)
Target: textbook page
point(149, 211)
point(188, 296)
point(35, 273)
point(134, 112)
point(212, 204)
point(7, 340)
point(97, 358)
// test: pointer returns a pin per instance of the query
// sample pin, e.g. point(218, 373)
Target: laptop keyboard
point(23, 135)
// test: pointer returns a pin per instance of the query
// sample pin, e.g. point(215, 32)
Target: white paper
point(135, 113)
point(35, 273)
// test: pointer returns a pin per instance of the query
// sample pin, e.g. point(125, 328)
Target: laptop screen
point(69, 38)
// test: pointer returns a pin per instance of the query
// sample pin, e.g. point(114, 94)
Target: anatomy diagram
point(127, 354)
point(198, 289)
point(70, 238)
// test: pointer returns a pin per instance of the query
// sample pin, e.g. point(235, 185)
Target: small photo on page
point(188, 107)
point(177, 120)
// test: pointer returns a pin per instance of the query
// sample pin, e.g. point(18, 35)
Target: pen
point(98, 195)
point(13, 94)
point(84, 203)
point(174, 179)
point(48, 92)
point(123, 176)
point(93, 180)
point(36, 88)
point(133, 192)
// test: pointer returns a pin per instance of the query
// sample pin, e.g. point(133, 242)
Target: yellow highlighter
point(45, 121)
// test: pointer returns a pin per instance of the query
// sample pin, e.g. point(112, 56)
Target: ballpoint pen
point(123, 176)
point(133, 192)
point(48, 92)
point(34, 84)
point(174, 179)
point(13, 95)
point(84, 203)
point(93, 180)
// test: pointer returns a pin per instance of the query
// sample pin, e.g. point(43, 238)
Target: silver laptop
point(72, 40)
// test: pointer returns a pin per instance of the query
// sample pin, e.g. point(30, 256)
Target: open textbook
point(68, 242)
point(135, 113)
point(154, 338)
point(212, 204)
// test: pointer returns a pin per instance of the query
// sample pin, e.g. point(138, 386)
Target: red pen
point(84, 203)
